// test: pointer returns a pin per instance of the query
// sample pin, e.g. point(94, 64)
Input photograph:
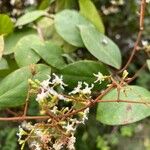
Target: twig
point(90, 104)
point(137, 73)
point(11, 112)
point(27, 102)
point(141, 28)
point(21, 118)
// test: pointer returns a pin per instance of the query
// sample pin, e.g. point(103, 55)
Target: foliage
point(58, 58)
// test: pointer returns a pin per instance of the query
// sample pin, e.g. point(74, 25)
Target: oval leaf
point(13, 88)
point(24, 54)
point(82, 71)
point(117, 113)
point(101, 46)
point(51, 53)
point(12, 39)
point(66, 23)
point(30, 17)
point(88, 10)
point(6, 25)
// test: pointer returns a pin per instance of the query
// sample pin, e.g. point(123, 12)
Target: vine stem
point(21, 118)
point(137, 73)
point(60, 116)
point(90, 104)
point(26, 102)
point(141, 28)
point(74, 112)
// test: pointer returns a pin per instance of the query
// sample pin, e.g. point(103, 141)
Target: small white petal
point(71, 143)
point(77, 89)
point(45, 84)
point(58, 81)
point(54, 93)
point(99, 77)
point(144, 43)
point(69, 128)
point(87, 89)
point(41, 95)
point(85, 115)
point(54, 110)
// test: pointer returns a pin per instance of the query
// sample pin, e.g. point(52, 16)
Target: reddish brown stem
point(26, 102)
point(141, 28)
point(24, 118)
point(88, 105)
point(11, 112)
point(137, 73)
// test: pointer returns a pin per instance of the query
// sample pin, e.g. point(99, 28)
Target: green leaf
point(82, 71)
point(3, 64)
point(30, 17)
point(65, 4)
point(1, 46)
point(117, 113)
point(50, 53)
point(24, 54)
point(13, 88)
point(100, 46)
point(12, 39)
point(6, 25)
point(44, 4)
point(88, 10)
point(46, 25)
point(148, 63)
point(68, 48)
point(66, 24)
point(12, 67)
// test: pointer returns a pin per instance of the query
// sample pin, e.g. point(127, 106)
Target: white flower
point(36, 145)
point(69, 127)
point(27, 125)
point(54, 93)
point(77, 89)
point(144, 43)
point(57, 146)
point(58, 81)
point(38, 132)
point(12, 2)
point(109, 10)
point(75, 121)
point(71, 143)
point(45, 84)
point(54, 110)
point(87, 89)
point(85, 115)
point(21, 132)
point(41, 95)
point(100, 77)
point(125, 74)
point(30, 2)
point(118, 2)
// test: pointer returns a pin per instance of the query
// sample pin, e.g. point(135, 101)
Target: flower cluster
point(58, 131)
